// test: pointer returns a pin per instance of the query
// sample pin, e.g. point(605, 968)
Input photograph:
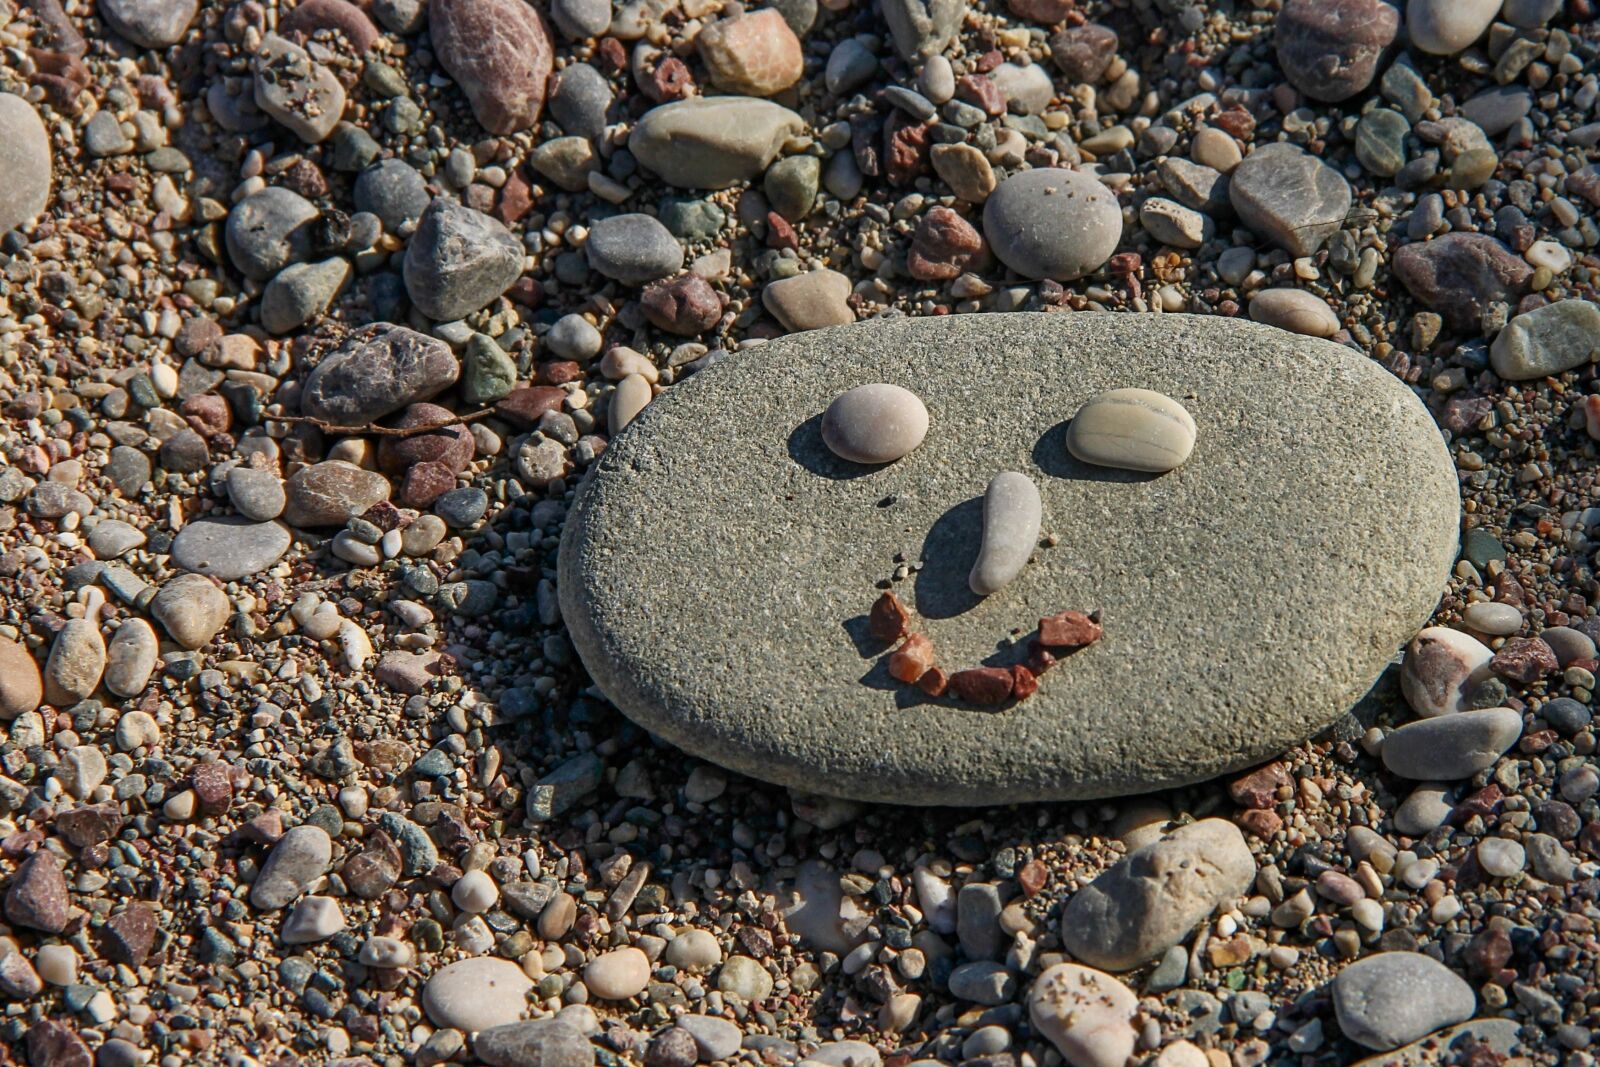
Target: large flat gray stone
point(717, 568)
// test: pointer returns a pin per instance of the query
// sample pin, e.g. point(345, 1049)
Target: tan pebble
point(1215, 149)
point(1294, 310)
point(876, 423)
point(21, 687)
point(1134, 429)
point(629, 398)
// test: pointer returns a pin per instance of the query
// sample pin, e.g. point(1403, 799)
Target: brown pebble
point(1070, 629)
point(934, 682)
point(1024, 683)
point(911, 660)
point(985, 686)
point(888, 618)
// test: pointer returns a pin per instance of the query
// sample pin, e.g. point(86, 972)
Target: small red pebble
point(985, 686)
point(1040, 659)
point(1032, 877)
point(887, 621)
point(1070, 629)
point(1263, 823)
point(1024, 683)
point(934, 682)
point(779, 233)
point(1259, 788)
point(911, 660)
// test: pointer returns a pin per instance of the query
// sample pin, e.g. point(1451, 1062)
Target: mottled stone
point(944, 246)
point(1450, 747)
point(1050, 223)
point(1082, 53)
point(499, 53)
point(37, 897)
point(268, 230)
point(1290, 197)
point(191, 609)
point(712, 142)
point(1546, 341)
point(810, 301)
point(21, 687)
point(633, 249)
point(298, 859)
point(1460, 274)
point(229, 547)
point(1086, 1015)
point(535, 1043)
point(77, 660)
point(377, 371)
point(754, 54)
point(1329, 49)
point(331, 493)
point(459, 260)
point(148, 23)
point(299, 93)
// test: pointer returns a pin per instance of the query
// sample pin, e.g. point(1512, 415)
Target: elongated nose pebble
point(876, 423)
point(1011, 515)
point(1135, 429)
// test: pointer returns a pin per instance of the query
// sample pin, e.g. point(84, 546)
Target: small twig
point(383, 431)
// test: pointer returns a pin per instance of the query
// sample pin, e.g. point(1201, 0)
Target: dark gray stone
point(148, 23)
point(376, 372)
point(633, 249)
point(459, 261)
point(269, 230)
point(765, 506)
point(1395, 998)
point(579, 100)
point(229, 547)
point(392, 190)
point(298, 859)
point(534, 1043)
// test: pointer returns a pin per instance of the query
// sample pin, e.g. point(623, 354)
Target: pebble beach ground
point(312, 317)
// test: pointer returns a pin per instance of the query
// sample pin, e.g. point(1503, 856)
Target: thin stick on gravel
point(384, 431)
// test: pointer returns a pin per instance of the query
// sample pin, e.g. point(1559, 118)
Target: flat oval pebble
point(1085, 1014)
point(876, 423)
point(1294, 310)
point(618, 974)
point(1449, 747)
point(477, 993)
point(25, 161)
point(1052, 223)
point(765, 508)
point(229, 547)
point(1445, 27)
point(1012, 512)
point(1134, 429)
point(1394, 998)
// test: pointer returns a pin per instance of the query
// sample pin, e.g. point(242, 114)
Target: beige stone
point(1134, 429)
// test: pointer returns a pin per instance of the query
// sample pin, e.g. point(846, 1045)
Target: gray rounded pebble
point(392, 190)
point(1012, 512)
point(873, 424)
point(633, 249)
point(1050, 223)
point(1290, 197)
point(459, 261)
point(1450, 747)
point(230, 547)
point(24, 160)
point(1394, 998)
point(579, 100)
point(148, 23)
point(269, 230)
point(298, 859)
point(1547, 341)
point(255, 494)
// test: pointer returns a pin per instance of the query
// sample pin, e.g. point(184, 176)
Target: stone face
point(376, 372)
point(633, 249)
point(477, 994)
point(1156, 895)
point(459, 261)
point(1086, 1015)
point(877, 423)
point(923, 28)
point(229, 547)
point(1050, 223)
point(24, 160)
point(1290, 197)
point(755, 54)
point(1450, 747)
point(1442, 668)
point(535, 1043)
point(1548, 340)
point(1133, 429)
point(21, 687)
point(1445, 27)
point(712, 142)
point(300, 94)
point(1395, 998)
point(148, 23)
point(498, 52)
point(330, 493)
point(1251, 387)
point(1460, 274)
point(295, 862)
point(1012, 512)
point(1329, 49)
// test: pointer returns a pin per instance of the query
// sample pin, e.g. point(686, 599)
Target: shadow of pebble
point(948, 553)
point(807, 449)
point(859, 628)
point(1050, 455)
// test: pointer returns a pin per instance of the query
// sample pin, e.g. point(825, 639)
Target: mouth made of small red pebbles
point(914, 661)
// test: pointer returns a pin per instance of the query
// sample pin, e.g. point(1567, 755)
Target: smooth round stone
point(77, 660)
point(1052, 223)
point(24, 160)
point(1442, 668)
point(229, 547)
point(1394, 998)
point(1086, 1014)
point(810, 301)
point(1451, 747)
point(256, 494)
point(1294, 310)
point(131, 658)
point(618, 974)
point(1380, 141)
point(1424, 810)
point(1152, 899)
point(1501, 857)
point(1132, 429)
point(633, 249)
point(1498, 620)
point(393, 190)
point(714, 1038)
point(764, 507)
point(148, 23)
point(877, 423)
point(1445, 27)
point(190, 608)
point(474, 892)
point(477, 993)
point(1329, 49)
point(712, 142)
point(1568, 644)
point(630, 397)
point(269, 230)
point(1546, 341)
point(298, 859)
point(21, 687)
point(1012, 513)
point(694, 950)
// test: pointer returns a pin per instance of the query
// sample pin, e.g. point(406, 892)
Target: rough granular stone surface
point(790, 541)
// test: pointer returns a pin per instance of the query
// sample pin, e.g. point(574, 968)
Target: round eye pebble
point(1135, 429)
point(874, 424)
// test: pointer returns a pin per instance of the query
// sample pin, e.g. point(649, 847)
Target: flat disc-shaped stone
point(717, 569)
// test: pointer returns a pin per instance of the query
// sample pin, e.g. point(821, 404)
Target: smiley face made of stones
point(879, 423)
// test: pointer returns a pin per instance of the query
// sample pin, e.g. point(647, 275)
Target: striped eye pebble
point(874, 423)
point(1135, 429)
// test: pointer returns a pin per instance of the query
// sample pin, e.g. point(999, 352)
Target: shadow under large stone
point(807, 448)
